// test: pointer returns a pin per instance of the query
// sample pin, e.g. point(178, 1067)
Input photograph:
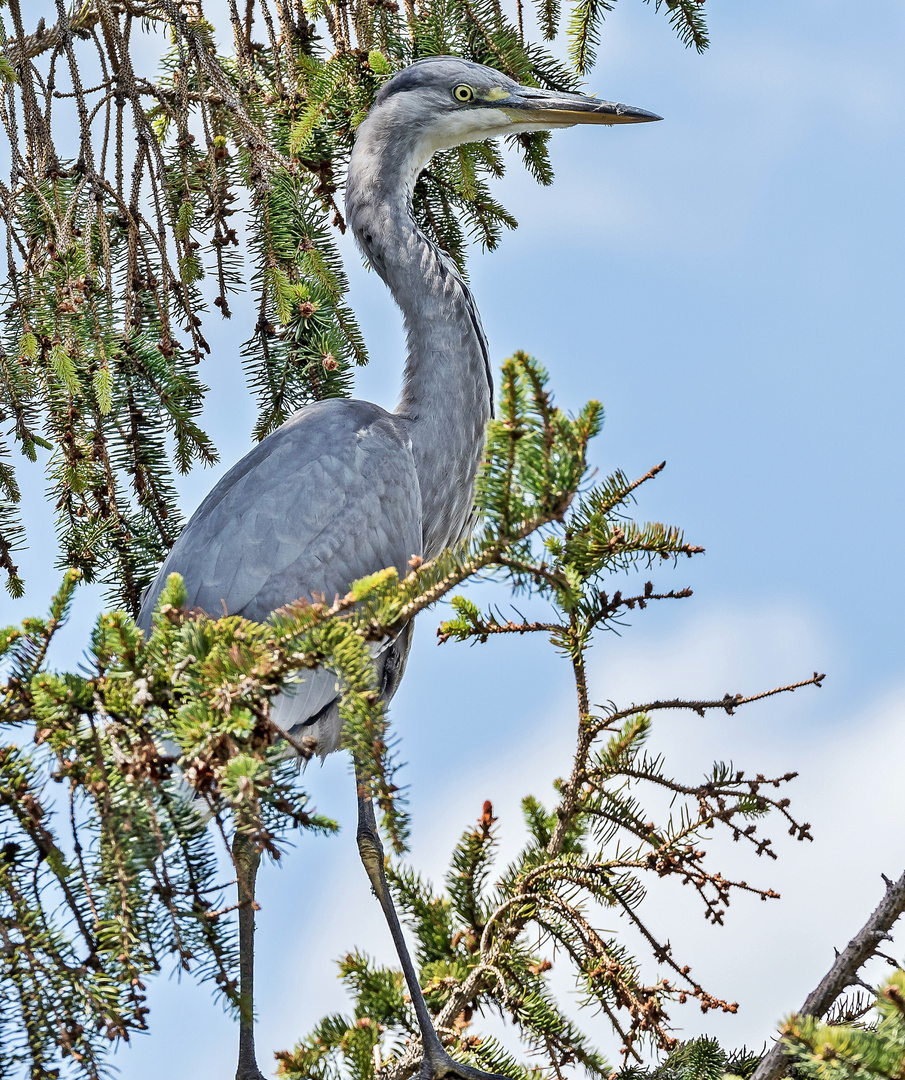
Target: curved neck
point(447, 391)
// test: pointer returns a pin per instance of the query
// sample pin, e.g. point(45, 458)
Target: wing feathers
point(328, 498)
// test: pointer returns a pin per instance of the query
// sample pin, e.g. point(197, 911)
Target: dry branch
point(844, 971)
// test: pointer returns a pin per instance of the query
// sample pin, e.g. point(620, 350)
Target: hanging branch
point(118, 232)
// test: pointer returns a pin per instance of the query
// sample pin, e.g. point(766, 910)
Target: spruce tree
point(106, 877)
point(130, 191)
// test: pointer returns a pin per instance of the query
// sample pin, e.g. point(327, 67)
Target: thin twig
point(729, 702)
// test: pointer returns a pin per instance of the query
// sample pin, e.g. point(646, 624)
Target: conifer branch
point(484, 628)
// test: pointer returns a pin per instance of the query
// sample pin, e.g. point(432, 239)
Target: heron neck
point(447, 392)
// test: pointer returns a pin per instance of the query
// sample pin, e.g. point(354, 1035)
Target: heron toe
point(440, 1066)
point(249, 1073)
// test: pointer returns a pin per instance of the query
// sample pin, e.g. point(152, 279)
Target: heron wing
point(329, 497)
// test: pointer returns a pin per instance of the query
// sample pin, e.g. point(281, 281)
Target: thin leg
point(247, 858)
point(436, 1064)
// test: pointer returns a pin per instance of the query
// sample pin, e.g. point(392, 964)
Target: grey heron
point(345, 488)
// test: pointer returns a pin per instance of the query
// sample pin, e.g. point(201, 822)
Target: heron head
point(448, 101)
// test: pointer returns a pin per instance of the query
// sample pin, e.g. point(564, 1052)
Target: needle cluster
point(848, 1047)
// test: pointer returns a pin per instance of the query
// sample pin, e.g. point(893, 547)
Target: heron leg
point(247, 859)
point(436, 1063)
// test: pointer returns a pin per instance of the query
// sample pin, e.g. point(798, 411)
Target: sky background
point(728, 283)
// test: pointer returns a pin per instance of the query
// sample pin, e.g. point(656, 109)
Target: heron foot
point(249, 1071)
point(438, 1065)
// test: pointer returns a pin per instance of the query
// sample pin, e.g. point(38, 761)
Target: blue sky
point(728, 283)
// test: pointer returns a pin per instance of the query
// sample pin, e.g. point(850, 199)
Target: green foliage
point(353, 1045)
point(116, 249)
point(698, 1059)
point(584, 31)
point(162, 748)
point(104, 404)
point(686, 17)
point(113, 873)
point(849, 1051)
point(312, 353)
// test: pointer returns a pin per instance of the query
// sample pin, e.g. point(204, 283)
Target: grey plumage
point(328, 497)
point(345, 488)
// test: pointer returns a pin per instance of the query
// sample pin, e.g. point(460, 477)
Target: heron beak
point(527, 105)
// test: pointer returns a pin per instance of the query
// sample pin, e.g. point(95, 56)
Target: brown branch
point(491, 554)
point(80, 22)
point(729, 702)
point(536, 570)
point(730, 789)
point(663, 956)
point(608, 608)
point(649, 475)
point(844, 971)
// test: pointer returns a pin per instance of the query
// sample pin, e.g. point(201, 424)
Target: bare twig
point(81, 21)
point(729, 702)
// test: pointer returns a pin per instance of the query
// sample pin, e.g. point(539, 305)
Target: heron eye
point(463, 93)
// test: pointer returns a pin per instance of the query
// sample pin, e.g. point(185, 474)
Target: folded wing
point(329, 497)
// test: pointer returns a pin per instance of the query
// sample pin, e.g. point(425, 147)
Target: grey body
point(345, 488)
point(329, 497)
